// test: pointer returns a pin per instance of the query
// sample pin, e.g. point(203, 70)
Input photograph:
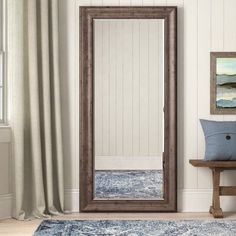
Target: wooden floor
point(20, 228)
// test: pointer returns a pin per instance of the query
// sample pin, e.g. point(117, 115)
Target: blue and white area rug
point(129, 184)
point(136, 228)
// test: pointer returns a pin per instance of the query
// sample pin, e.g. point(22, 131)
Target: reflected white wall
point(129, 93)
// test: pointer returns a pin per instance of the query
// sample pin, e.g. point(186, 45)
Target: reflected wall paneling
point(128, 112)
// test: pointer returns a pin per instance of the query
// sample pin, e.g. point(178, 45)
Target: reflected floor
point(129, 184)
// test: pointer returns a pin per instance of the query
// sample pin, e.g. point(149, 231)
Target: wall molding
point(5, 206)
point(189, 200)
point(5, 134)
point(5, 172)
point(199, 200)
point(72, 200)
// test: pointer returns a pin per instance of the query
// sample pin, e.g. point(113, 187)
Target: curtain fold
point(36, 114)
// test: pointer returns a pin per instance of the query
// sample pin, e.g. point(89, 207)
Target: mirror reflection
point(128, 108)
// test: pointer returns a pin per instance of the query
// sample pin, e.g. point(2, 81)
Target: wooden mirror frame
point(87, 201)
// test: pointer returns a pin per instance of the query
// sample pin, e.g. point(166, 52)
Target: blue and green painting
point(226, 82)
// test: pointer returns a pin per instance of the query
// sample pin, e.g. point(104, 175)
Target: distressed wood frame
point(87, 201)
point(213, 108)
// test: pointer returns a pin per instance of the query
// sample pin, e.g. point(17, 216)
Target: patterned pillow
point(220, 138)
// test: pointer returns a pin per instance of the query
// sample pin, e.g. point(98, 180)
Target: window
point(2, 61)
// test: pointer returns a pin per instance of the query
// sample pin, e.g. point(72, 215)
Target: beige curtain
point(36, 115)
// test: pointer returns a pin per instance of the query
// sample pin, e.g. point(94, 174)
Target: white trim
point(5, 134)
point(77, 90)
point(5, 206)
point(128, 163)
point(189, 200)
point(3, 50)
point(199, 200)
point(6, 199)
point(72, 200)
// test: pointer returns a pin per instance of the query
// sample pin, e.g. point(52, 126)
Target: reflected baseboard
point(128, 162)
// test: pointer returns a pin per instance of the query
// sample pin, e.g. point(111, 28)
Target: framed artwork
point(223, 83)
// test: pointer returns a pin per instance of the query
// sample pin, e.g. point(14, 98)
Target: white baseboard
point(189, 200)
point(199, 200)
point(128, 162)
point(72, 200)
point(5, 206)
point(71, 203)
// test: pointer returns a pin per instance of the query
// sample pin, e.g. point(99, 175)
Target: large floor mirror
point(128, 109)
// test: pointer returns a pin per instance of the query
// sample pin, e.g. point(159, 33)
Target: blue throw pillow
point(220, 137)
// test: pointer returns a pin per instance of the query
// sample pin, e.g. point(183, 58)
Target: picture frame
point(223, 83)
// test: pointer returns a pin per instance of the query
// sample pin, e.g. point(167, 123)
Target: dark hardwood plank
point(213, 164)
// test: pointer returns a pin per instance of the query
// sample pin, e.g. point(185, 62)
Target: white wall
point(5, 135)
point(70, 99)
point(203, 26)
point(5, 172)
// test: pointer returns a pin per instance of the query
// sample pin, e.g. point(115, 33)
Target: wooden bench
point(217, 167)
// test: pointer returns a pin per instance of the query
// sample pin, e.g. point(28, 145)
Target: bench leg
point(215, 209)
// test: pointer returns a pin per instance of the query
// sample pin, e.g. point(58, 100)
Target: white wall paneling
point(228, 40)
point(217, 40)
point(70, 90)
point(181, 95)
point(190, 99)
point(203, 26)
point(160, 2)
point(69, 61)
point(98, 3)
point(131, 3)
point(203, 82)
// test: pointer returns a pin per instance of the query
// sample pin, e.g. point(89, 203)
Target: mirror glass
point(128, 108)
